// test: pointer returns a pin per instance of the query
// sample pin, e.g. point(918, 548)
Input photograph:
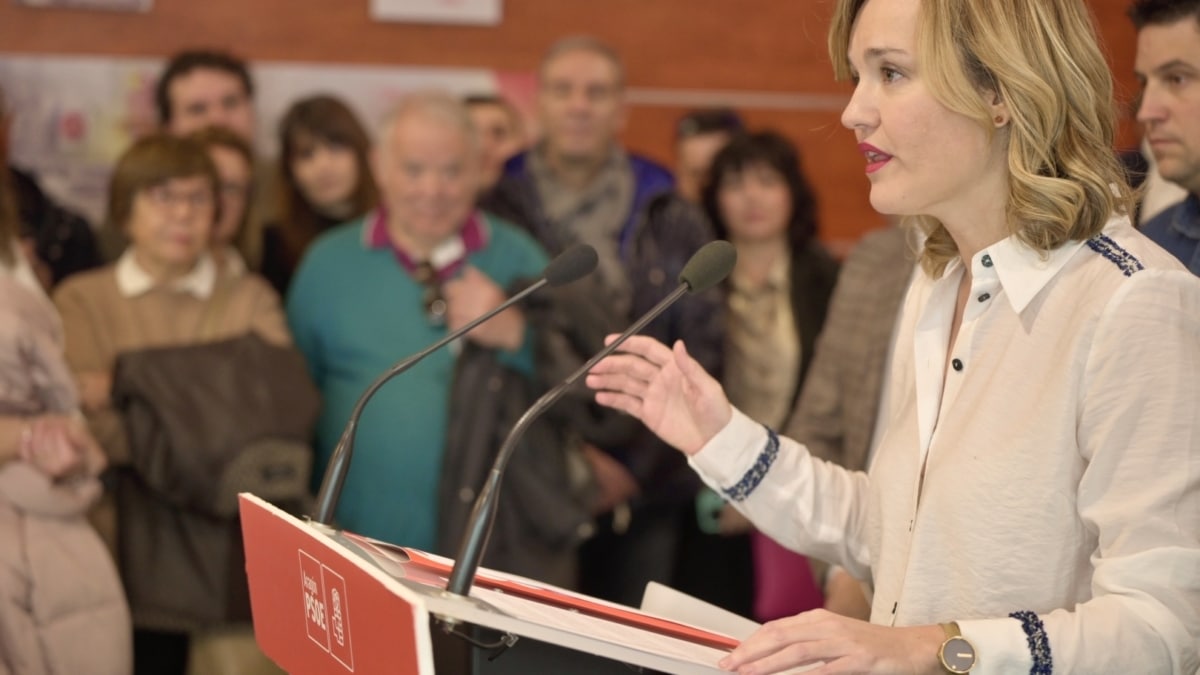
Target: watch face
point(958, 655)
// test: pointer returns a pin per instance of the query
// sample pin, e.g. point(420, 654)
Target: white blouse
point(1061, 464)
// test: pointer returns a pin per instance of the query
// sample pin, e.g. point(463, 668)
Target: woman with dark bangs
point(326, 178)
point(758, 198)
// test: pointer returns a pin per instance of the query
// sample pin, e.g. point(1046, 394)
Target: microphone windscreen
point(708, 266)
point(574, 263)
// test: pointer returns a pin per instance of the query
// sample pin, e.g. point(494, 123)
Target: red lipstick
point(876, 158)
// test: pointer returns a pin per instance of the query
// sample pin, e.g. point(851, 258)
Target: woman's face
point(755, 203)
point(171, 224)
point(327, 175)
point(234, 173)
point(922, 158)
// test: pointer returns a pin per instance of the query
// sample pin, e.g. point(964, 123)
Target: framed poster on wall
point(480, 12)
point(106, 5)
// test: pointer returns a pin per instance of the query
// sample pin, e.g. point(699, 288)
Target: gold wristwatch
point(957, 654)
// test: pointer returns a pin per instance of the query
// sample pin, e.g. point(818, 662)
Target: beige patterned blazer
point(835, 414)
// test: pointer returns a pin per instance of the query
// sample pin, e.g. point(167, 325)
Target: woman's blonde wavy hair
point(1041, 57)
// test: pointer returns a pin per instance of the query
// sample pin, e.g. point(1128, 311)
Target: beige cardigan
point(100, 323)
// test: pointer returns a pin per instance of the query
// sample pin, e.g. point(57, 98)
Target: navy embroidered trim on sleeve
point(1124, 260)
point(1039, 644)
point(757, 472)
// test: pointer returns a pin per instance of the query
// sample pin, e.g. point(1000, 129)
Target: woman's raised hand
point(665, 388)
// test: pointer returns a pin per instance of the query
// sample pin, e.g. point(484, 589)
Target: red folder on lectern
point(328, 602)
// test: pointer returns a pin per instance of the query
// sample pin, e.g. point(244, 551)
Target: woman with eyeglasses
point(163, 291)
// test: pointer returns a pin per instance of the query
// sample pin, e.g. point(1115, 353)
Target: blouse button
point(987, 260)
point(957, 364)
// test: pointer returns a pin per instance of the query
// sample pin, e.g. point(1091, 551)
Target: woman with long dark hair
point(163, 292)
point(326, 179)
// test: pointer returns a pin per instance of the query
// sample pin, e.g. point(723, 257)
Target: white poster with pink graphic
point(74, 115)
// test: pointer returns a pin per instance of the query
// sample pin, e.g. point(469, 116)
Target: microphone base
point(470, 649)
point(455, 597)
point(323, 528)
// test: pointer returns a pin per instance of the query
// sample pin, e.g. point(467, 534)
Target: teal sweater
point(355, 311)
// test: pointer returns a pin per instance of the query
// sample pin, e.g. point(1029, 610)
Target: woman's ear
point(999, 109)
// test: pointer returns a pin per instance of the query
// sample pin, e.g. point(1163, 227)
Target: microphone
point(572, 264)
point(706, 268)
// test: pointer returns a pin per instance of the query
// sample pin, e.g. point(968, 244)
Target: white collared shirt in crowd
point(133, 280)
point(1063, 463)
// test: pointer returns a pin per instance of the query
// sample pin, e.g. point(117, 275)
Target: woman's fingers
point(57, 457)
point(842, 644)
point(618, 382)
point(626, 364)
point(770, 638)
point(791, 656)
point(92, 454)
point(692, 370)
point(630, 405)
point(646, 347)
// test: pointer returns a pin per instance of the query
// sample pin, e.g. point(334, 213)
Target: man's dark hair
point(1160, 12)
point(708, 121)
point(471, 100)
point(197, 59)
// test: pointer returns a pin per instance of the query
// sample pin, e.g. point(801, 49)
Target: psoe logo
point(326, 609)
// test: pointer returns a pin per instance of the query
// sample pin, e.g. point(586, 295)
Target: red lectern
point(332, 603)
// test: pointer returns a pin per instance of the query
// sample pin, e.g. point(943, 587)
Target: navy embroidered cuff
point(754, 476)
point(1039, 644)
